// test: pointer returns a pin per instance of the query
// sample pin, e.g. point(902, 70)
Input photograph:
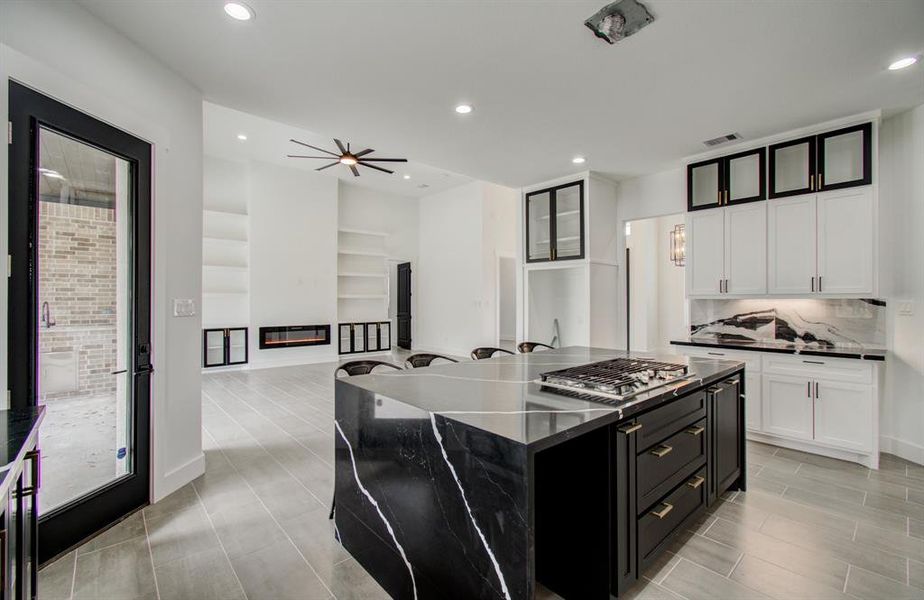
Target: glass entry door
point(80, 311)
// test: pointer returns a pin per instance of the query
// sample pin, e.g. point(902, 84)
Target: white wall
point(82, 62)
point(643, 276)
point(293, 258)
point(901, 194)
point(673, 316)
point(507, 298)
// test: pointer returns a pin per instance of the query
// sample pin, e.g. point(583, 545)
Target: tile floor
point(255, 525)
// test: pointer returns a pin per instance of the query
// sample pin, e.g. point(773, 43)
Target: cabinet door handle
point(808, 389)
point(726, 197)
point(720, 197)
point(696, 482)
point(696, 430)
point(630, 428)
point(813, 284)
point(35, 464)
point(812, 182)
point(716, 353)
point(662, 451)
point(664, 511)
point(819, 181)
point(819, 283)
point(816, 390)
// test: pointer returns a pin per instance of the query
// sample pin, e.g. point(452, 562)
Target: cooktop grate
point(612, 380)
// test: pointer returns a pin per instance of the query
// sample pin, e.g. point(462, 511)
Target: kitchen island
point(473, 480)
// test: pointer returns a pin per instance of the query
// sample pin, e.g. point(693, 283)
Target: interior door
point(846, 242)
point(404, 306)
point(791, 245)
point(746, 249)
point(705, 269)
point(79, 311)
point(787, 406)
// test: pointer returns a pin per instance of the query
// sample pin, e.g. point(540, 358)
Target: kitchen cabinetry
point(364, 337)
point(726, 435)
point(555, 223)
point(733, 179)
point(832, 160)
point(224, 347)
point(727, 251)
point(823, 244)
point(788, 409)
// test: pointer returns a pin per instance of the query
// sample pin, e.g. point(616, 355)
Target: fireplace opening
point(290, 336)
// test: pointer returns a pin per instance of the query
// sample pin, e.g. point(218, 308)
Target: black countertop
point(839, 351)
point(501, 395)
point(18, 433)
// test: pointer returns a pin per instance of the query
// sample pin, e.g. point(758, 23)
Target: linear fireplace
point(290, 336)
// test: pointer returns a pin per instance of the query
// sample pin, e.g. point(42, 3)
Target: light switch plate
point(906, 308)
point(184, 307)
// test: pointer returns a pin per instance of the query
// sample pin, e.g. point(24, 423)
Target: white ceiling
point(544, 89)
point(268, 141)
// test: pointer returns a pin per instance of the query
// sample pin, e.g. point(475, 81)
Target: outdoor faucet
point(46, 315)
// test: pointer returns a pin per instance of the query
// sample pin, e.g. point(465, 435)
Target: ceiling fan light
point(238, 11)
point(348, 161)
point(464, 109)
point(903, 63)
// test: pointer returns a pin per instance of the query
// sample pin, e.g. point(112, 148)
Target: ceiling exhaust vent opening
point(619, 20)
point(722, 139)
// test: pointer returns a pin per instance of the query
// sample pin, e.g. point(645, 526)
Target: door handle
point(35, 464)
point(664, 511)
point(662, 451)
point(119, 372)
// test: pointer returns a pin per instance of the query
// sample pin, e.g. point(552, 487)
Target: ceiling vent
point(722, 139)
point(619, 20)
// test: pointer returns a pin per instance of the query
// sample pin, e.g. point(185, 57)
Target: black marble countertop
point(832, 351)
point(501, 395)
point(18, 433)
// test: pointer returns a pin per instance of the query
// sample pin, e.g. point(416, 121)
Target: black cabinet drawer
point(664, 465)
point(667, 420)
point(656, 525)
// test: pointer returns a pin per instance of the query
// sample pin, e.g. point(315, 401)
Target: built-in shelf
point(564, 213)
point(569, 238)
point(362, 232)
point(361, 252)
point(366, 275)
point(362, 296)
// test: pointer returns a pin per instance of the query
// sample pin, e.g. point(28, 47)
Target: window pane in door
point(705, 184)
point(84, 320)
point(540, 236)
point(843, 158)
point(744, 177)
point(568, 222)
point(791, 168)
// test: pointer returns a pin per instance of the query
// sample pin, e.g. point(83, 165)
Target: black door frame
point(29, 110)
point(399, 341)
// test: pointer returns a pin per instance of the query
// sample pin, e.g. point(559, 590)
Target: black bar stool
point(424, 359)
point(527, 347)
point(488, 352)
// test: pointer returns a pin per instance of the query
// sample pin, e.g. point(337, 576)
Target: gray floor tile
point(278, 572)
point(916, 574)
point(695, 582)
point(801, 513)
point(120, 572)
point(178, 500)
point(778, 582)
point(349, 581)
point(821, 461)
point(313, 534)
point(876, 539)
point(916, 528)
point(204, 576)
point(863, 584)
point(894, 505)
point(746, 515)
point(916, 496)
point(223, 490)
point(848, 510)
point(661, 567)
point(245, 529)
point(707, 552)
point(56, 581)
point(180, 534)
point(288, 499)
point(130, 527)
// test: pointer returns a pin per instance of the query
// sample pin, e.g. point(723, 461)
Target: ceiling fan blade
point(355, 170)
point(340, 145)
point(301, 156)
point(363, 152)
point(383, 160)
point(328, 166)
point(315, 148)
point(376, 168)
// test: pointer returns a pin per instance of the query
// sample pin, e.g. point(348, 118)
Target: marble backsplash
point(817, 322)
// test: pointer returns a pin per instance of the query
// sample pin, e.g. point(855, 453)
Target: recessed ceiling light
point(464, 109)
point(578, 160)
point(407, 176)
point(242, 137)
point(903, 62)
point(239, 11)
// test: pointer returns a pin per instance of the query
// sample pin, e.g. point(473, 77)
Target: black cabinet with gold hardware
point(731, 179)
point(831, 160)
point(555, 223)
point(224, 347)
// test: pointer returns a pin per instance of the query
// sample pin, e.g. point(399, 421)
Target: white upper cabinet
point(846, 242)
point(791, 245)
point(746, 249)
point(705, 269)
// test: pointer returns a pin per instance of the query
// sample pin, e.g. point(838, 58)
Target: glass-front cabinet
point(224, 347)
point(828, 161)
point(555, 223)
point(364, 337)
point(733, 179)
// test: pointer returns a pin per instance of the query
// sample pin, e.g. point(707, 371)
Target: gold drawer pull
point(664, 511)
point(695, 430)
point(662, 451)
point(696, 482)
point(630, 428)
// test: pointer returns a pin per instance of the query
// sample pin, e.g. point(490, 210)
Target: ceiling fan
point(347, 157)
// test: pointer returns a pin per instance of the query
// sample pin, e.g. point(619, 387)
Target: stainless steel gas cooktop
point(615, 380)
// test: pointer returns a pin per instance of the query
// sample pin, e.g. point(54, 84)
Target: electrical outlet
point(184, 307)
point(906, 308)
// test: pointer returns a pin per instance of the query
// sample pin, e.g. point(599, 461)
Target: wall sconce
point(678, 239)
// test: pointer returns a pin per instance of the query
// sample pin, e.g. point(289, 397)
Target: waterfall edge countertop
point(855, 351)
point(502, 396)
point(18, 433)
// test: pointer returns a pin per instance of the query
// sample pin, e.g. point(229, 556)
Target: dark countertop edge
point(877, 355)
point(28, 440)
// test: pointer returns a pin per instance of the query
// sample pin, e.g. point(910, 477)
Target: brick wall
point(77, 277)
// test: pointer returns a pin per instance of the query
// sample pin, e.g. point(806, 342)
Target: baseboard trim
point(868, 460)
point(294, 362)
point(902, 449)
point(178, 477)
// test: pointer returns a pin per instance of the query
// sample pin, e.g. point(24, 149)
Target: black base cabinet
point(661, 470)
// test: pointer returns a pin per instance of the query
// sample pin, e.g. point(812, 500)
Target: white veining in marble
point(372, 500)
point(484, 542)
